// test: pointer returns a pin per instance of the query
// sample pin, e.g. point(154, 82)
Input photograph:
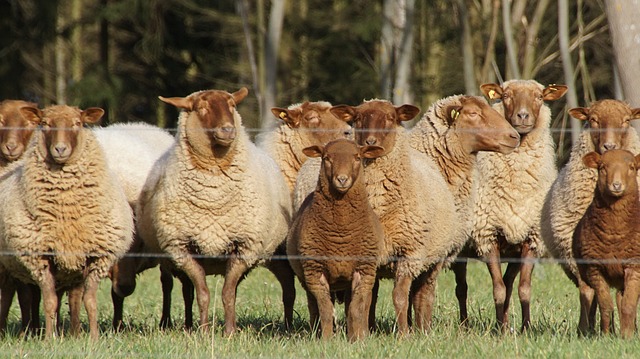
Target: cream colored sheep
point(215, 194)
point(336, 240)
point(511, 189)
point(572, 192)
point(63, 213)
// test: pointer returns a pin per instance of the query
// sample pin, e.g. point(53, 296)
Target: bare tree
point(402, 88)
point(396, 50)
point(272, 44)
point(567, 64)
point(623, 18)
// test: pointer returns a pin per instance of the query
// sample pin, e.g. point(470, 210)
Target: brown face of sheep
point(617, 171)
point(314, 120)
point(375, 122)
point(215, 110)
point(522, 101)
point(608, 123)
point(342, 161)
point(480, 127)
point(61, 126)
point(15, 130)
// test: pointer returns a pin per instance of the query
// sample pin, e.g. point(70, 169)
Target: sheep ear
point(92, 115)
point(554, 92)
point(591, 159)
point(31, 114)
point(637, 160)
point(313, 151)
point(371, 151)
point(179, 102)
point(452, 113)
point(290, 117)
point(635, 113)
point(239, 95)
point(580, 113)
point(2, 120)
point(344, 112)
point(492, 91)
point(407, 112)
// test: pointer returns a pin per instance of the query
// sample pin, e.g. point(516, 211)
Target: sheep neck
point(456, 164)
point(609, 213)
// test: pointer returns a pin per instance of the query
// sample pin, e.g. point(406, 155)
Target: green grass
point(259, 309)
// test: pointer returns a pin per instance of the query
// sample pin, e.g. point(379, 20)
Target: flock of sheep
point(346, 193)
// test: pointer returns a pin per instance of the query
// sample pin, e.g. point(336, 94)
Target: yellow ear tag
point(283, 115)
point(455, 114)
point(492, 93)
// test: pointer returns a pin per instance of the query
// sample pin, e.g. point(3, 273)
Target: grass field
point(553, 334)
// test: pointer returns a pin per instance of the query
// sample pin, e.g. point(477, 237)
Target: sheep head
point(481, 128)
point(522, 100)
point(608, 123)
point(376, 121)
point(214, 113)
point(342, 161)
point(61, 128)
point(15, 130)
point(314, 121)
point(617, 171)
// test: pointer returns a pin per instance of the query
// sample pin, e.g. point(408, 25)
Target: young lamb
point(63, 213)
point(572, 192)
point(301, 126)
point(607, 238)
point(15, 133)
point(452, 132)
point(336, 240)
point(215, 203)
point(511, 189)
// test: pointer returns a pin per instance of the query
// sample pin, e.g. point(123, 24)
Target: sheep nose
point(523, 115)
point(371, 141)
point(60, 148)
point(342, 179)
point(617, 186)
point(609, 146)
point(10, 146)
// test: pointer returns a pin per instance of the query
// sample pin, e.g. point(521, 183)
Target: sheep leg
point(459, 269)
point(236, 268)
point(508, 279)
point(7, 292)
point(499, 289)
point(587, 308)
point(34, 293)
point(372, 307)
point(401, 288)
point(50, 301)
point(166, 281)
point(90, 303)
point(319, 288)
point(629, 303)
point(361, 285)
point(196, 273)
point(312, 305)
point(424, 296)
point(118, 309)
point(75, 300)
point(285, 276)
point(524, 285)
point(187, 297)
point(25, 299)
point(603, 296)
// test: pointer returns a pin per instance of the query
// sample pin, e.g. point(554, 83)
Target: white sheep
point(511, 189)
point(300, 126)
point(452, 132)
point(215, 194)
point(572, 192)
point(64, 215)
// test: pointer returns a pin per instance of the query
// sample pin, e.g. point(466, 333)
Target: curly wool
point(569, 198)
point(511, 189)
point(212, 206)
point(76, 211)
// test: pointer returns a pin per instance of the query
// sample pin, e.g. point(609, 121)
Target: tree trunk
point(567, 65)
point(272, 45)
point(386, 49)
point(61, 58)
point(470, 84)
point(402, 89)
point(513, 71)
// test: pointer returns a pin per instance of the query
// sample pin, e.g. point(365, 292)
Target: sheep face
point(15, 130)
point(314, 121)
point(61, 128)
point(375, 122)
point(617, 170)
point(214, 113)
point(480, 127)
point(608, 123)
point(522, 101)
point(341, 161)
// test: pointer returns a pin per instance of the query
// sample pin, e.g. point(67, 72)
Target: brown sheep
point(607, 238)
point(336, 220)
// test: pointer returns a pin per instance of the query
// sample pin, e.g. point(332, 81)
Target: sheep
point(63, 215)
point(572, 192)
point(301, 126)
point(15, 133)
point(452, 132)
point(215, 194)
point(607, 238)
point(413, 202)
point(336, 240)
point(511, 189)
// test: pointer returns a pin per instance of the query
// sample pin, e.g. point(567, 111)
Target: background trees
point(122, 54)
